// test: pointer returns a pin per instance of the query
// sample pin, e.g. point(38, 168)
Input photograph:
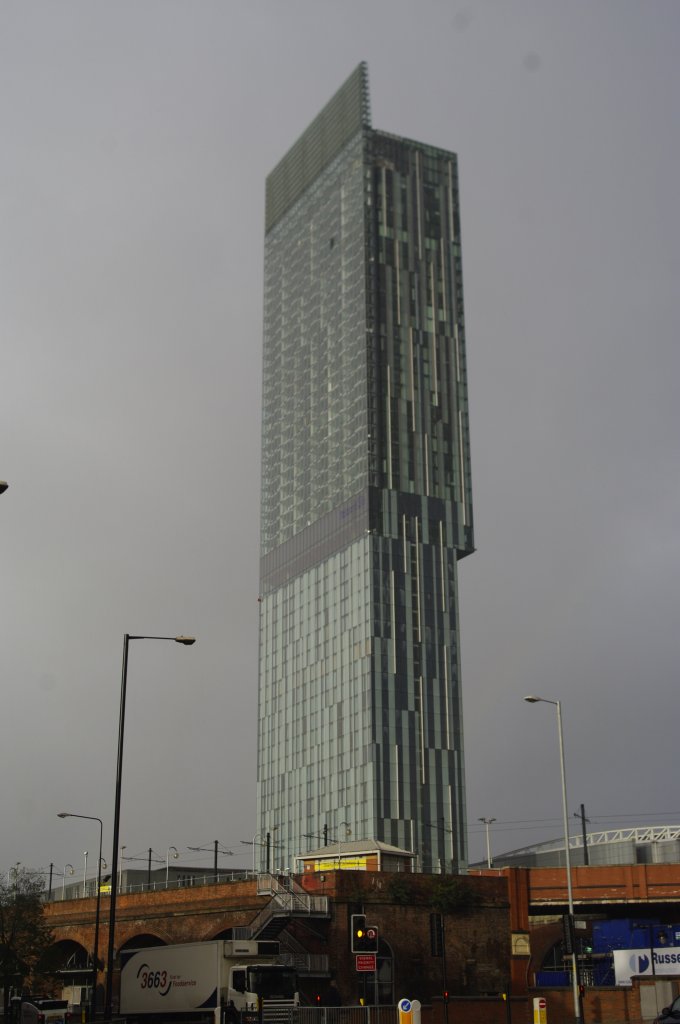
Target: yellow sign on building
point(341, 864)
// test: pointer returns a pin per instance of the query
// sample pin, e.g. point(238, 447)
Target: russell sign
point(636, 963)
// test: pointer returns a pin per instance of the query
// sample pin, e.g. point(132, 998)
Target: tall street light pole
point(567, 855)
point(487, 822)
point(95, 954)
point(187, 641)
point(253, 843)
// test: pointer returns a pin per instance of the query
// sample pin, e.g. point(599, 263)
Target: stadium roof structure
point(650, 844)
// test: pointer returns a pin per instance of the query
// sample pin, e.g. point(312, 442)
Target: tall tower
point(366, 500)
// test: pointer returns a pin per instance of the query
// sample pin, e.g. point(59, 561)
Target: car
point(45, 1011)
point(670, 1014)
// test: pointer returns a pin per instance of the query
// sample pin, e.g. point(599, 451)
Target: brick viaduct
point(196, 914)
point(207, 912)
point(192, 914)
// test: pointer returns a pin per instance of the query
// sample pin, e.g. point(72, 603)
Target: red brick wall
point(600, 1005)
point(173, 915)
point(477, 935)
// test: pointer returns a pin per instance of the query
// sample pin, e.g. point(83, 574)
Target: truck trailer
point(207, 981)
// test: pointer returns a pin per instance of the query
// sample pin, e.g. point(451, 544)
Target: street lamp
point(253, 843)
point(3, 486)
point(175, 855)
point(95, 954)
point(268, 844)
point(187, 641)
point(120, 869)
point(63, 879)
point(567, 856)
point(487, 822)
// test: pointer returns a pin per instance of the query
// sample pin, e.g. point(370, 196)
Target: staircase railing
point(293, 953)
point(287, 900)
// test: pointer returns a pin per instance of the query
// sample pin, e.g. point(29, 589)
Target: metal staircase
point(293, 954)
point(289, 901)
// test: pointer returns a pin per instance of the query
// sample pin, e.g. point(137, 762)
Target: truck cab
point(271, 987)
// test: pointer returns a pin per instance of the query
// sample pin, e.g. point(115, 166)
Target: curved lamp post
point(175, 855)
point(187, 641)
point(63, 879)
point(487, 823)
point(567, 855)
point(253, 843)
point(95, 954)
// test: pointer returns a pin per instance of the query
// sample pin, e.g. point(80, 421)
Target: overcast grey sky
point(136, 138)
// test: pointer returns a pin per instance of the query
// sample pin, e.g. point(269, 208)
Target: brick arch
point(125, 936)
point(191, 914)
point(543, 938)
point(215, 932)
point(223, 933)
point(207, 931)
point(83, 937)
point(57, 955)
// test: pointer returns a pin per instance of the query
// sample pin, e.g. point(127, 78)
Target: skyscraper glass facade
point(366, 500)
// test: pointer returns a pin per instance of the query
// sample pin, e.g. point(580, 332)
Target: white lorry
point(210, 981)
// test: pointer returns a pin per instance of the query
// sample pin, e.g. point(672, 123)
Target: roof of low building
point(354, 848)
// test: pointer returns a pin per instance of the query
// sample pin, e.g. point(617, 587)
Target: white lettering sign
point(637, 963)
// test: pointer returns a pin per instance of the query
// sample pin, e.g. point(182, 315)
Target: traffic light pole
point(444, 979)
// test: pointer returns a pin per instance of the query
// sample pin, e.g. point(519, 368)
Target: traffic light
point(436, 935)
point(358, 932)
point(568, 933)
point(364, 937)
point(370, 939)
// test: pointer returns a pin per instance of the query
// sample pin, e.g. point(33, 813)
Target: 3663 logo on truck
point(154, 979)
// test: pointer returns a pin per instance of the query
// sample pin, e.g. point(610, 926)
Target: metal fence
point(75, 891)
point(345, 1015)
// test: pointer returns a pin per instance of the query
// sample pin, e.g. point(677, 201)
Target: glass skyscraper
point(366, 498)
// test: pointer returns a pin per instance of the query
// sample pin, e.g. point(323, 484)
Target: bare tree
point(24, 933)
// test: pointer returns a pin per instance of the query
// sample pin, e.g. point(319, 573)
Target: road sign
point(365, 961)
point(540, 1011)
point(405, 1014)
point(409, 1011)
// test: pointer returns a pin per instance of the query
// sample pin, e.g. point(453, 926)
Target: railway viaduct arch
point(192, 914)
